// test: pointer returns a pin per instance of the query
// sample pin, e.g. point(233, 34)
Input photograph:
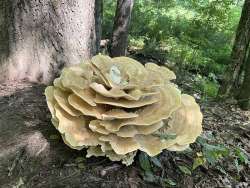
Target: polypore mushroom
point(116, 106)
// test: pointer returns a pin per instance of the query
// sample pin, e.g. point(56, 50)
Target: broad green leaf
point(198, 161)
point(170, 182)
point(185, 170)
point(149, 177)
point(144, 162)
point(242, 156)
point(201, 140)
point(213, 153)
point(156, 162)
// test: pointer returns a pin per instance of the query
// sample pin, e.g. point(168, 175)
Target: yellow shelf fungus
point(116, 106)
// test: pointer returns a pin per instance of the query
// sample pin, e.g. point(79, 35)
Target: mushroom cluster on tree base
point(116, 106)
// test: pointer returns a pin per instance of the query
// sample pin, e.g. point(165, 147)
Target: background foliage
point(193, 35)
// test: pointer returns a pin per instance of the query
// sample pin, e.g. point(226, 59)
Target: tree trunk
point(239, 50)
point(119, 41)
point(98, 23)
point(38, 38)
point(244, 95)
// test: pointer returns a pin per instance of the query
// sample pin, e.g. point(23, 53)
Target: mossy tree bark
point(244, 94)
point(38, 38)
point(119, 40)
point(238, 54)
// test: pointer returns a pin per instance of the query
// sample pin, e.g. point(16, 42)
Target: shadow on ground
point(33, 154)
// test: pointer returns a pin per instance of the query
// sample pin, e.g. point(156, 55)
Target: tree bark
point(98, 23)
point(244, 94)
point(119, 41)
point(38, 38)
point(238, 53)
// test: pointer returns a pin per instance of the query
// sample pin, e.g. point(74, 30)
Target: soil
point(32, 153)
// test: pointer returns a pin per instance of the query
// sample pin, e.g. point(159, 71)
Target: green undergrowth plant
point(219, 156)
point(152, 171)
point(186, 56)
point(196, 35)
point(207, 86)
point(207, 153)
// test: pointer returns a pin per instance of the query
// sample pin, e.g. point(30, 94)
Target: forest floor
point(32, 154)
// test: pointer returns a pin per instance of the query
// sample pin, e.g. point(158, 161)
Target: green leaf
point(198, 161)
point(201, 140)
point(156, 162)
point(185, 170)
point(221, 170)
point(242, 156)
point(170, 182)
point(144, 162)
point(149, 177)
point(213, 153)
